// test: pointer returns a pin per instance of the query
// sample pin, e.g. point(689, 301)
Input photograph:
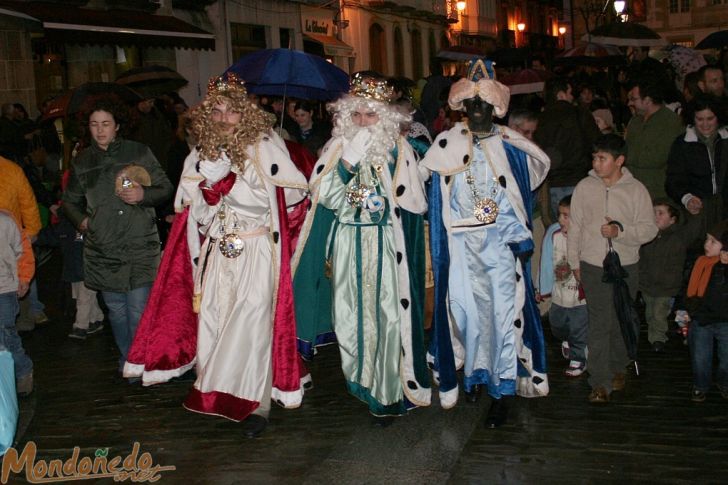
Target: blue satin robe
point(482, 283)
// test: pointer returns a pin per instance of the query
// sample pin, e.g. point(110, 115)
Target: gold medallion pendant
point(486, 210)
point(231, 245)
point(357, 194)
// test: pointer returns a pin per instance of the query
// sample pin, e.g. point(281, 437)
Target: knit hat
point(720, 232)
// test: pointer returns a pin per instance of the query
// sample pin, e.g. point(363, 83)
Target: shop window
point(246, 38)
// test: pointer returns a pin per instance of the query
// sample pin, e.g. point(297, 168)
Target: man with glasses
point(650, 134)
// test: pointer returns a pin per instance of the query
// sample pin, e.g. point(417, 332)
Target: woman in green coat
point(113, 189)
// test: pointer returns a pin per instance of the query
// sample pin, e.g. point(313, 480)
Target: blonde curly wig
point(212, 138)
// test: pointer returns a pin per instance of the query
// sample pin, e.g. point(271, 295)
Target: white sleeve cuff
point(685, 199)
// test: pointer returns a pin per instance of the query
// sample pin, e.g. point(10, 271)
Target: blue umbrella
point(285, 72)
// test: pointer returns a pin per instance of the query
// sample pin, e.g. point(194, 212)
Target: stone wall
point(17, 82)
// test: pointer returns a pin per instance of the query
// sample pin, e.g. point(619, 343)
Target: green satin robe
point(365, 299)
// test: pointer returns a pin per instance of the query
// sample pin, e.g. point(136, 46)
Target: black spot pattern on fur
point(275, 237)
point(399, 257)
point(405, 303)
point(466, 158)
point(517, 323)
point(502, 181)
point(447, 179)
point(412, 385)
point(274, 169)
point(537, 380)
point(443, 143)
point(518, 277)
point(400, 190)
point(320, 168)
point(396, 212)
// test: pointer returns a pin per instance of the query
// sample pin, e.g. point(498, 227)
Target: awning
point(332, 46)
point(75, 25)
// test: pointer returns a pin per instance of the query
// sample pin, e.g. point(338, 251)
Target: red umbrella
point(526, 81)
point(80, 98)
point(591, 53)
point(57, 107)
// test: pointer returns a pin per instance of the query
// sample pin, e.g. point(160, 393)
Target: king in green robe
point(359, 265)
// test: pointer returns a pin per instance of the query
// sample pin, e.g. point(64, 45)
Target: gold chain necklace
point(485, 210)
point(231, 244)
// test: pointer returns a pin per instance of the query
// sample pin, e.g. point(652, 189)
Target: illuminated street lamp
point(562, 31)
point(521, 26)
point(460, 6)
point(619, 6)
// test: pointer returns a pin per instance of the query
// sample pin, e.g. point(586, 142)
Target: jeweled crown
point(371, 88)
point(480, 68)
point(227, 82)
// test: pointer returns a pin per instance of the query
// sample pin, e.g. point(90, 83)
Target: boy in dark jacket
point(661, 268)
point(707, 304)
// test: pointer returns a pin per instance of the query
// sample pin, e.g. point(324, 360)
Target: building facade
point(65, 43)
point(51, 46)
point(686, 22)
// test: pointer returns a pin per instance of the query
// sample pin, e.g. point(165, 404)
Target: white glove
point(214, 171)
point(356, 148)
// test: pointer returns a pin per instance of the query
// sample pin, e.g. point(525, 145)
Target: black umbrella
point(716, 40)
point(629, 322)
point(460, 53)
point(625, 34)
point(152, 81)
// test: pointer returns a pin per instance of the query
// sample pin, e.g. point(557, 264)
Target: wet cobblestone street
point(651, 432)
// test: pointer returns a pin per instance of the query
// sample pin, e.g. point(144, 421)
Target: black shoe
point(383, 421)
point(497, 414)
point(254, 425)
point(474, 394)
point(658, 346)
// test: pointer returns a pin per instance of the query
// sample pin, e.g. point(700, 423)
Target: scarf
point(700, 275)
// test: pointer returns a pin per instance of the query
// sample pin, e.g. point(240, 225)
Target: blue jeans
point(555, 196)
point(701, 339)
point(9, 334)
point(125, 310)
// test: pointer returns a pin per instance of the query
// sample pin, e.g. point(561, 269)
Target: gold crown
point(226, 83)
point(371, 88)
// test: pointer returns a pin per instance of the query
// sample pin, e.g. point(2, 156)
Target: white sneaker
point(575, 369)
point(565, 351)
